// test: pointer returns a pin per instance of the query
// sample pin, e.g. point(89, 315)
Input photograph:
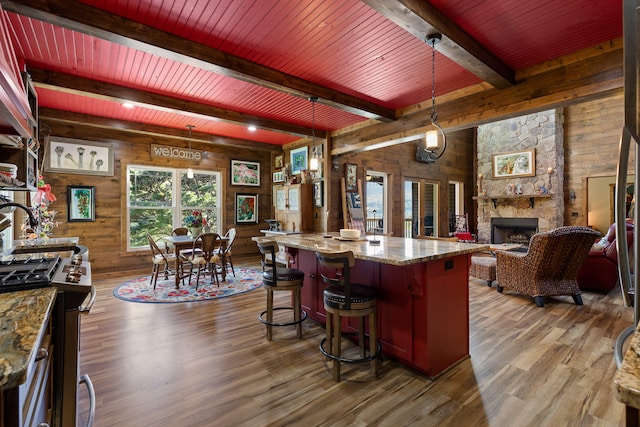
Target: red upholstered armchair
point(600, 269)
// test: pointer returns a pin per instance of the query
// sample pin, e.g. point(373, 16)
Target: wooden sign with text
point(171, 152)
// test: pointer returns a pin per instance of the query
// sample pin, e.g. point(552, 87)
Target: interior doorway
point(420, 208)
point(376, 202)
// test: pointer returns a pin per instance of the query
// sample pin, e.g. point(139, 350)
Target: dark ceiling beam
point(95, 89)
point(85, 19)
point(76, 121)
point(420, 18)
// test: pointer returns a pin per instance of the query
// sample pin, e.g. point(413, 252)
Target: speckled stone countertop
point(391, 250)
point(23, 317)
point(627, 378)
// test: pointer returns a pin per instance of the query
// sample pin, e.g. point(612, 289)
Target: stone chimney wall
point(543, 132)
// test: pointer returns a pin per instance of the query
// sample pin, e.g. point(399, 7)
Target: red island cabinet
point(423, 308)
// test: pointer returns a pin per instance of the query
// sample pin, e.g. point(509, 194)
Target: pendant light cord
point(434, 115)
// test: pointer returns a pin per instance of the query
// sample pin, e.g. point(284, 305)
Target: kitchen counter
point(23, 316)
point(391, 250)
point(49, 244)
point(423, 288)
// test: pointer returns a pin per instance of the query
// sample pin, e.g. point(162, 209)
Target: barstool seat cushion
point(362, 297)
point(284, 275)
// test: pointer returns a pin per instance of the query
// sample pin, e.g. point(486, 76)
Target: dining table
point(181, 243)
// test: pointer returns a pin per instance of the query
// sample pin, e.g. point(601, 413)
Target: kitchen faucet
point(33, 222)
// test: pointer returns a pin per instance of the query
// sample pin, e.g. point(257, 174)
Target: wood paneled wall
point(105, 237)
point(592, 138)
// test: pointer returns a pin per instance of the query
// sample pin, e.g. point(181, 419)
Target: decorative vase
point(195, 231)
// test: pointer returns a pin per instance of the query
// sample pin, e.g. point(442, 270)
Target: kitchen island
point(423, 291)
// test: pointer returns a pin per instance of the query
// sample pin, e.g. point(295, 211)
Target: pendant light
point(435, 139)
point(313, 162)
point(189, 170)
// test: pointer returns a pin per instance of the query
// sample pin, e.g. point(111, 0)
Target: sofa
point(599, 272)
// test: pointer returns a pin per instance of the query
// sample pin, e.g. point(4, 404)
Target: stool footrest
point(348, 360)
point(303, 316)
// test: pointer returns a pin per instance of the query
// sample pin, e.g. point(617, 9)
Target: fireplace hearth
point(513, 230)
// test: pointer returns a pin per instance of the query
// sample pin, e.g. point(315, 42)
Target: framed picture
point(245, 173)
point(299, 160)
point(278, 176)
point(517, 163)
point(246, 208)
point(77, 156)
point(351, 181)
point(81, 203)
point(317, 194)
point(278, 161)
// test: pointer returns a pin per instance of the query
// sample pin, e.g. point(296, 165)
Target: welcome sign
point(171, 152)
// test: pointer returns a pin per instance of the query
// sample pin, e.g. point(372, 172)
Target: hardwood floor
point(209, 364)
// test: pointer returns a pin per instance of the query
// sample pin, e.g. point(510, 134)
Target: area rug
point(140, 289)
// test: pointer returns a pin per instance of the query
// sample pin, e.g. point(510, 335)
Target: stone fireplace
point(513, 230)
point(540, 201)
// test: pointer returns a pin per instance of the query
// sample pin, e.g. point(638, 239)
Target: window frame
point(176, 202)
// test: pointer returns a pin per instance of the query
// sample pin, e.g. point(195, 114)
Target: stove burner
point(27, 271)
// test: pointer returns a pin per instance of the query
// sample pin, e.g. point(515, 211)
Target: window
point(159, 198)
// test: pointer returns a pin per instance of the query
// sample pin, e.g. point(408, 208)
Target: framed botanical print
point(76, 156)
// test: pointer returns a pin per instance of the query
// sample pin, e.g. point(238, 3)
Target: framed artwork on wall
point(245, 173)
point(278, 176)
point(516, 163)
point(81, 203)
point(246, 208)
point(351, 181)
point(80, 157)
point(299, 160)
point(318, 195)
point(278, 161)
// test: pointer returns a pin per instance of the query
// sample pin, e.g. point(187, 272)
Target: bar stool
point(345, 299)
point(276, 278)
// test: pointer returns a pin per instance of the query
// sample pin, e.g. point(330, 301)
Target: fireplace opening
point(513, 230)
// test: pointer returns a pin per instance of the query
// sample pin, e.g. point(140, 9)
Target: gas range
point(27, 271)
point(37, 270)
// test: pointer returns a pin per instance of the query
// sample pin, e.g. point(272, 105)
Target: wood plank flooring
point(209, 364)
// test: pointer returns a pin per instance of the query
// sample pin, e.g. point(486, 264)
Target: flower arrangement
point(40, 201)
point(195, 219)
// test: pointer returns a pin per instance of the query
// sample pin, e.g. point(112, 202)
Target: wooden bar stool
point(276, 278)
point(345, 299)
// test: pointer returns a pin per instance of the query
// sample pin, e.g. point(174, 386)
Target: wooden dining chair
point(204, 256)
point(230, 237)
point(180, 231)
point(162, 262)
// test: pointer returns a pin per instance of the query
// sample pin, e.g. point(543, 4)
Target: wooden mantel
point(529, 197)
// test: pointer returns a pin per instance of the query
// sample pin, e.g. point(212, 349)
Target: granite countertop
point(627, 378)
point(391, 250)
point(23, 317)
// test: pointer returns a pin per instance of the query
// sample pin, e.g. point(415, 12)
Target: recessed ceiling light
point(127, 105)
point(252, 128)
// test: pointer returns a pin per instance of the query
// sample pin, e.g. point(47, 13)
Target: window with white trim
point(159, 198)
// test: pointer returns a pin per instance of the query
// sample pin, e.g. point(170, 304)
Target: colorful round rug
point(140, 289)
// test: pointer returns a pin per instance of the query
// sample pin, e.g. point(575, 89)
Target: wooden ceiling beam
point(579, 81)
point(95, 22)
point(420, 18)
point(106, 91)
point(75, 121)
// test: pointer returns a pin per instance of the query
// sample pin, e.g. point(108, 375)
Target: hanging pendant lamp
point(435, 139)
point(314, 161)
point(190, 170)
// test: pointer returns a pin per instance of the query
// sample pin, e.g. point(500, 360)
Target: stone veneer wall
point(544, 133)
